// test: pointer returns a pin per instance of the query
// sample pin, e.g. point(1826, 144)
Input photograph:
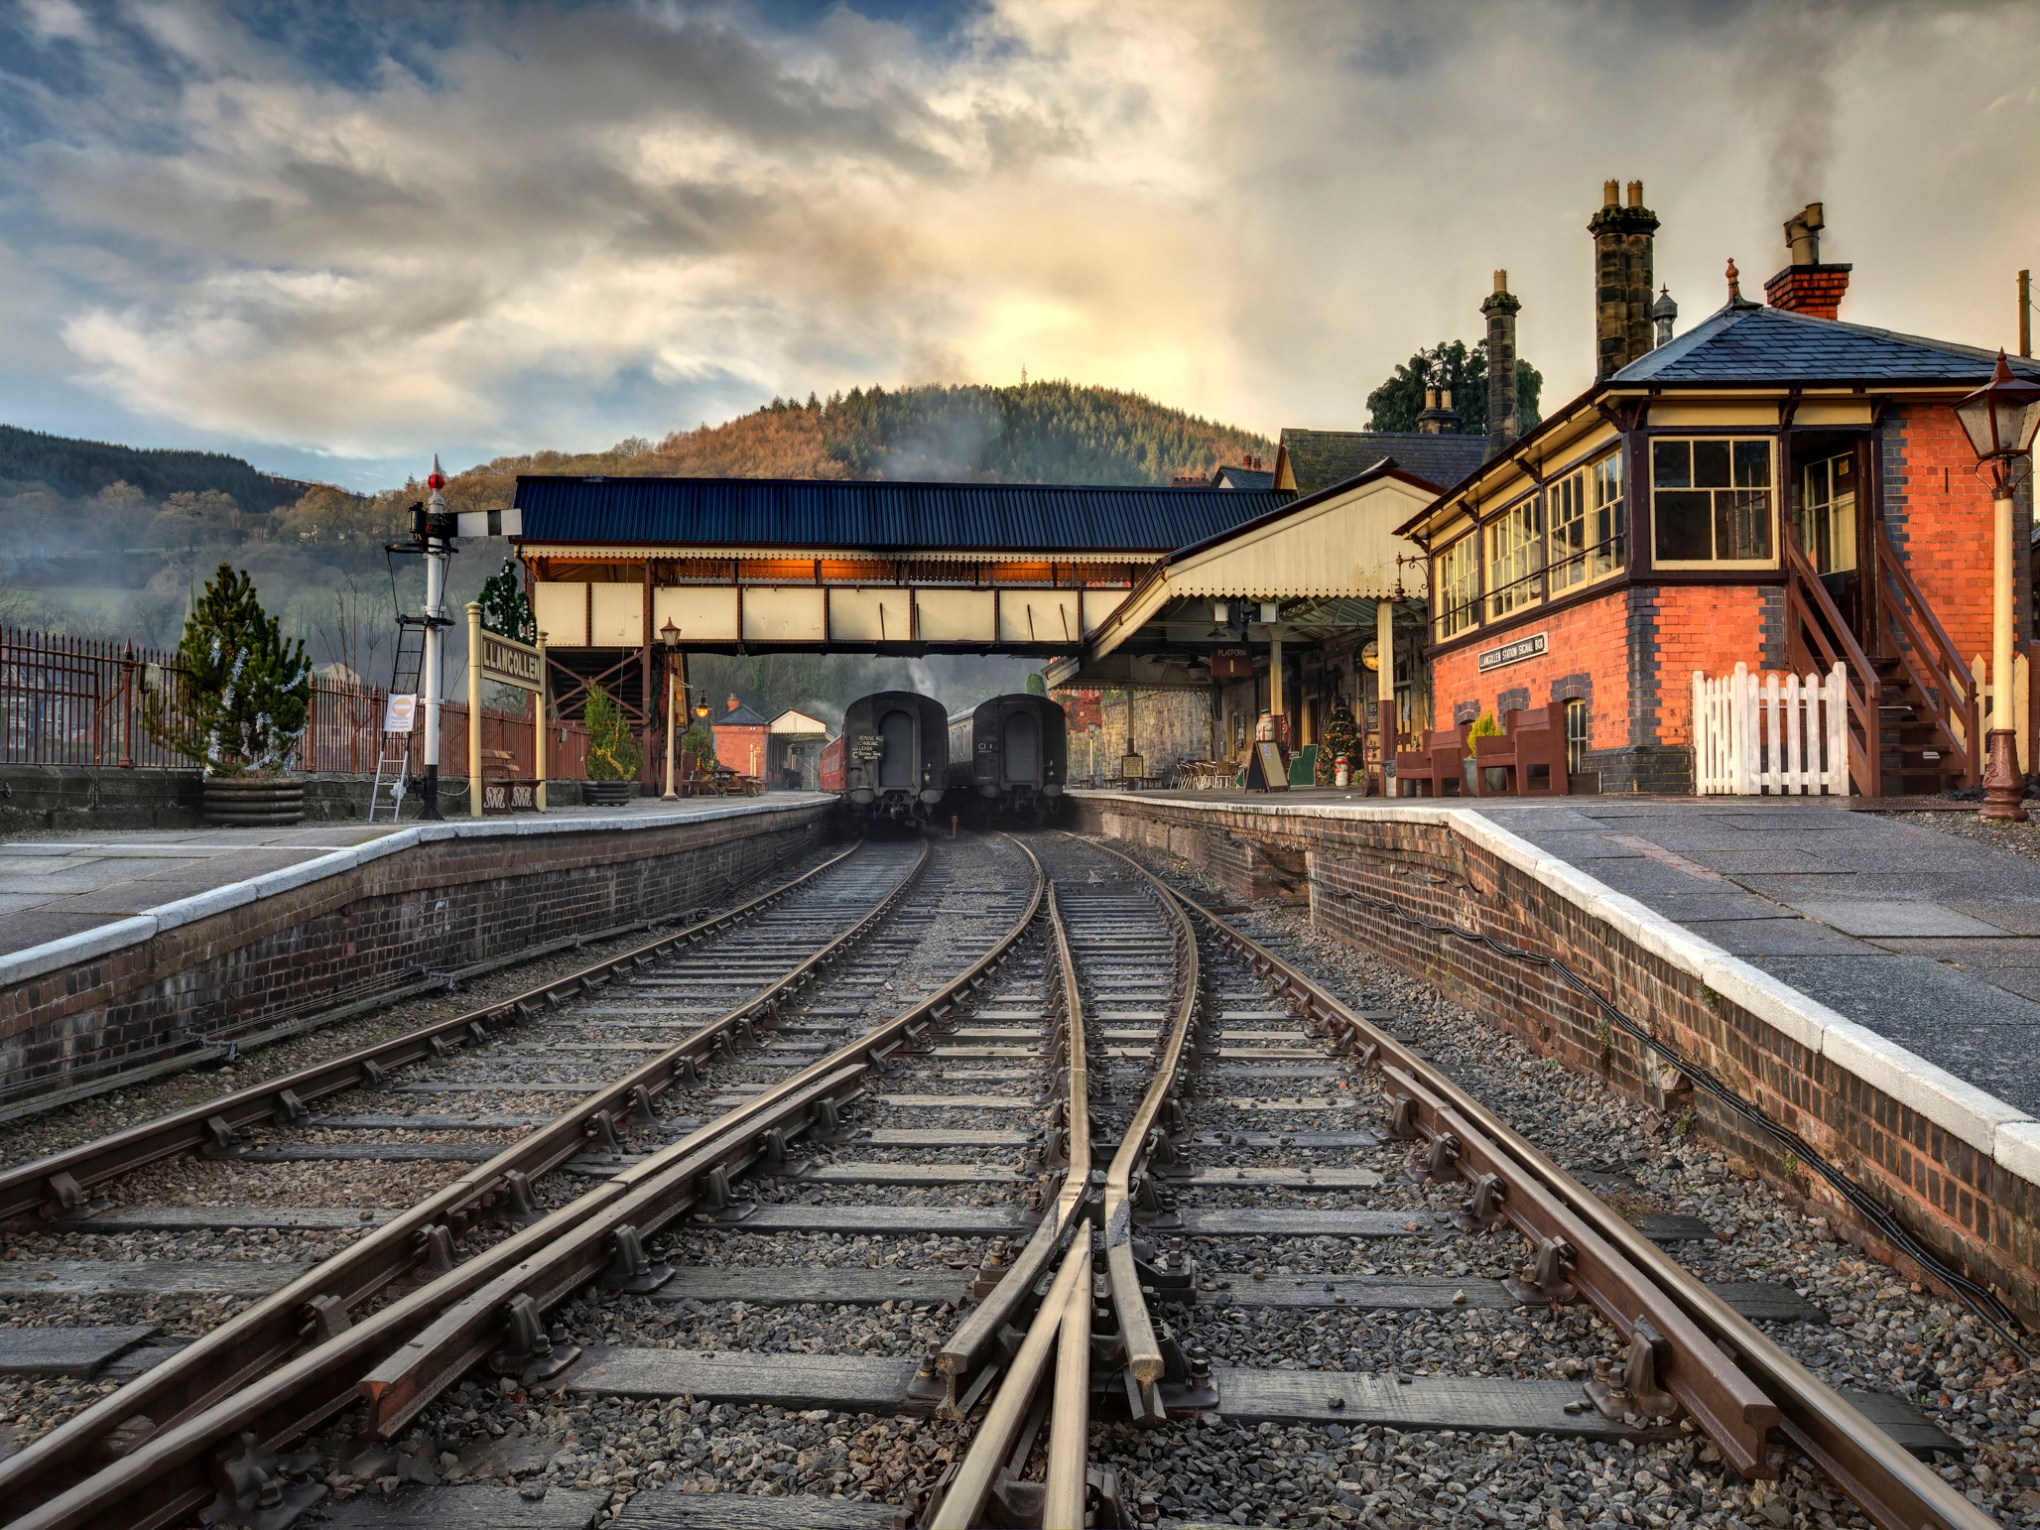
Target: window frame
point(1525, 586)
point(1597, 560)
point(1451, 621)
point(1730, 438)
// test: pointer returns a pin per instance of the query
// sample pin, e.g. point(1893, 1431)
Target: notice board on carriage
point(1266, 769)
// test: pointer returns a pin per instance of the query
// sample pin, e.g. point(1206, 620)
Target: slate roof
point(1255, 479)
point(1320, 458)
point(883, 517)
point(1748, 342)
point(739, 717)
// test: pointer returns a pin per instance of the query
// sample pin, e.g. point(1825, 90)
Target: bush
point(245, 689)
point(612, 752)
point(1484, 726)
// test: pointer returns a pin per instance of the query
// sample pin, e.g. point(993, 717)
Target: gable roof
point(1748, 342)
point(738, 717)
point(1259, 479)
point(880, 517)
point(1320, 458)
point(797, 722)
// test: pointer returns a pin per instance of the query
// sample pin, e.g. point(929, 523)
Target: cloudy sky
point(335, 237)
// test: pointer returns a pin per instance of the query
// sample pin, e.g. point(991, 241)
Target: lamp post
point(670, 636)
point(2000, 418)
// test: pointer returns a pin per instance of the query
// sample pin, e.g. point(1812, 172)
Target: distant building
point(793, 755)
point(741, 738)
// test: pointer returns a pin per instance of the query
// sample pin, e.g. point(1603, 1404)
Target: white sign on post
point(400, 712)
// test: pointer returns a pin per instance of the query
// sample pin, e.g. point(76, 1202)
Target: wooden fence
point(80, 701)
point(1757, 734)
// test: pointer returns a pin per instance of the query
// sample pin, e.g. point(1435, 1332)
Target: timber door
point(1828, 532)
point(898, 756)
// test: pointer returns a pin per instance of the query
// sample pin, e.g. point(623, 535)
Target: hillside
point(77, 469)
point(1038, 432)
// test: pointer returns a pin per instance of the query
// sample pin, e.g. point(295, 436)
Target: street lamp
point(670, 636)
point(2000, 418)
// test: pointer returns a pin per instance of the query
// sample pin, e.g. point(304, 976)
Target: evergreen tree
point(1037, 685)
point(505, 610)
point(244, 690)
point(1396, 404)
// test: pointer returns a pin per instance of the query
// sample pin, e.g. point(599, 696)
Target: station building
point(1776, 487)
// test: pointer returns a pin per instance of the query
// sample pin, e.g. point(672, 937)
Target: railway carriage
point(892, 760)
point(1011, 753)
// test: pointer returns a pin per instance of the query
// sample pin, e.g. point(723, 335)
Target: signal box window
point(1711, 500)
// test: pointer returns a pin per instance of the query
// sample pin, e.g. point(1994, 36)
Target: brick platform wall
point(435, 907)
point(1954, 1197)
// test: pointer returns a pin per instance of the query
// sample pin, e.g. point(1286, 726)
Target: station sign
point(1231, 664)
point(509, 662)
point(1516, 652)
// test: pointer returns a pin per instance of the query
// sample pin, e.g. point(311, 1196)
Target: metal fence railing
point(82, 701)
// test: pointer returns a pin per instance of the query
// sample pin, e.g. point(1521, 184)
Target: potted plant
point(240, 704)
point(697, 749)
point(1342, 747)
point(1484, 726)
point(613, 758)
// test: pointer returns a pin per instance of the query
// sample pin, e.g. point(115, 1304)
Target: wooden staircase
point(1914, 715)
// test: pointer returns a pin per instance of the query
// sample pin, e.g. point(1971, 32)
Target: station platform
point(123, 954)
point(66, 884)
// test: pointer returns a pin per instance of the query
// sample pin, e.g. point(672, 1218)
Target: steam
point(1785, 74)
point(949, 445)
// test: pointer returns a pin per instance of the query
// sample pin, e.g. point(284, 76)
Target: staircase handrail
point(1819, 619)
point(1949, 688)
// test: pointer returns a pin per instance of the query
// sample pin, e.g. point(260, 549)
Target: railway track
point(1253, 1144)
point(1100, 1185)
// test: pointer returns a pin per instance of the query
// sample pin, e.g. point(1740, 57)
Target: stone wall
point(335, 931)
point(1960, 1170)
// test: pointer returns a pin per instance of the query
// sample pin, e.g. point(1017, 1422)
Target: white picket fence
point(1754, 734)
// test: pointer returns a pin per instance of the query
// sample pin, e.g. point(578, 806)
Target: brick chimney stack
point(1806, 286)
point(1624, 277)
point(1439, 417)
point(1500, 310)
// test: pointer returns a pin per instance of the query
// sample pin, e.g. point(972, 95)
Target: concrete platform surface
point(1928, 939)
point(62, 886)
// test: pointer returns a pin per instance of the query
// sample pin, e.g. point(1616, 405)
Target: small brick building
point(1775, 487)
point(741, 738)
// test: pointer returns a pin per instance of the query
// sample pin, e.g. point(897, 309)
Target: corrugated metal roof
point(885, 517)
point(1748, 342)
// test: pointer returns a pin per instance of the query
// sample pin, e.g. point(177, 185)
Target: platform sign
point(1267, 771)
point(509, 662)
point(400, 712)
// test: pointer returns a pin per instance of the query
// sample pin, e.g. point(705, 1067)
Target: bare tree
point(356, 628)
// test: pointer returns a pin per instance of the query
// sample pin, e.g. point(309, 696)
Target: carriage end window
point(1711, 500)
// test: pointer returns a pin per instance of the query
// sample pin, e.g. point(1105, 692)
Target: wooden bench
point(1436, 769)
point(1530, 753)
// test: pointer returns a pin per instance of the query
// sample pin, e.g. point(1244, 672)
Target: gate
point(1757, 734)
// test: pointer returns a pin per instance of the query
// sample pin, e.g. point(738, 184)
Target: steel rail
point(281, 1324)
point(1061, 1325)
point(399, 1356)
point(976, 1338)
point(57, 1182)
point(1893, 1488)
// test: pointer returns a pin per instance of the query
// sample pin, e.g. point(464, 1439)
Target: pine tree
point(244, 690)
point(505, 610)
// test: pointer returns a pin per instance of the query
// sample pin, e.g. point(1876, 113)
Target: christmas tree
point(241, 689)
point(612, 752)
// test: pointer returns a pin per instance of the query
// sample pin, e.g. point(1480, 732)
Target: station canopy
point(1308, 571)
point(726, 565)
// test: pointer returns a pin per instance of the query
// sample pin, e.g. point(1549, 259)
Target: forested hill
point(1038, 432)
point(78, 469)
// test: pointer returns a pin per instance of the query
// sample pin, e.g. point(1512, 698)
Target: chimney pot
point(1636, 193)
point(1806, 285)
point(1611, 194)
point(1501, 281)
